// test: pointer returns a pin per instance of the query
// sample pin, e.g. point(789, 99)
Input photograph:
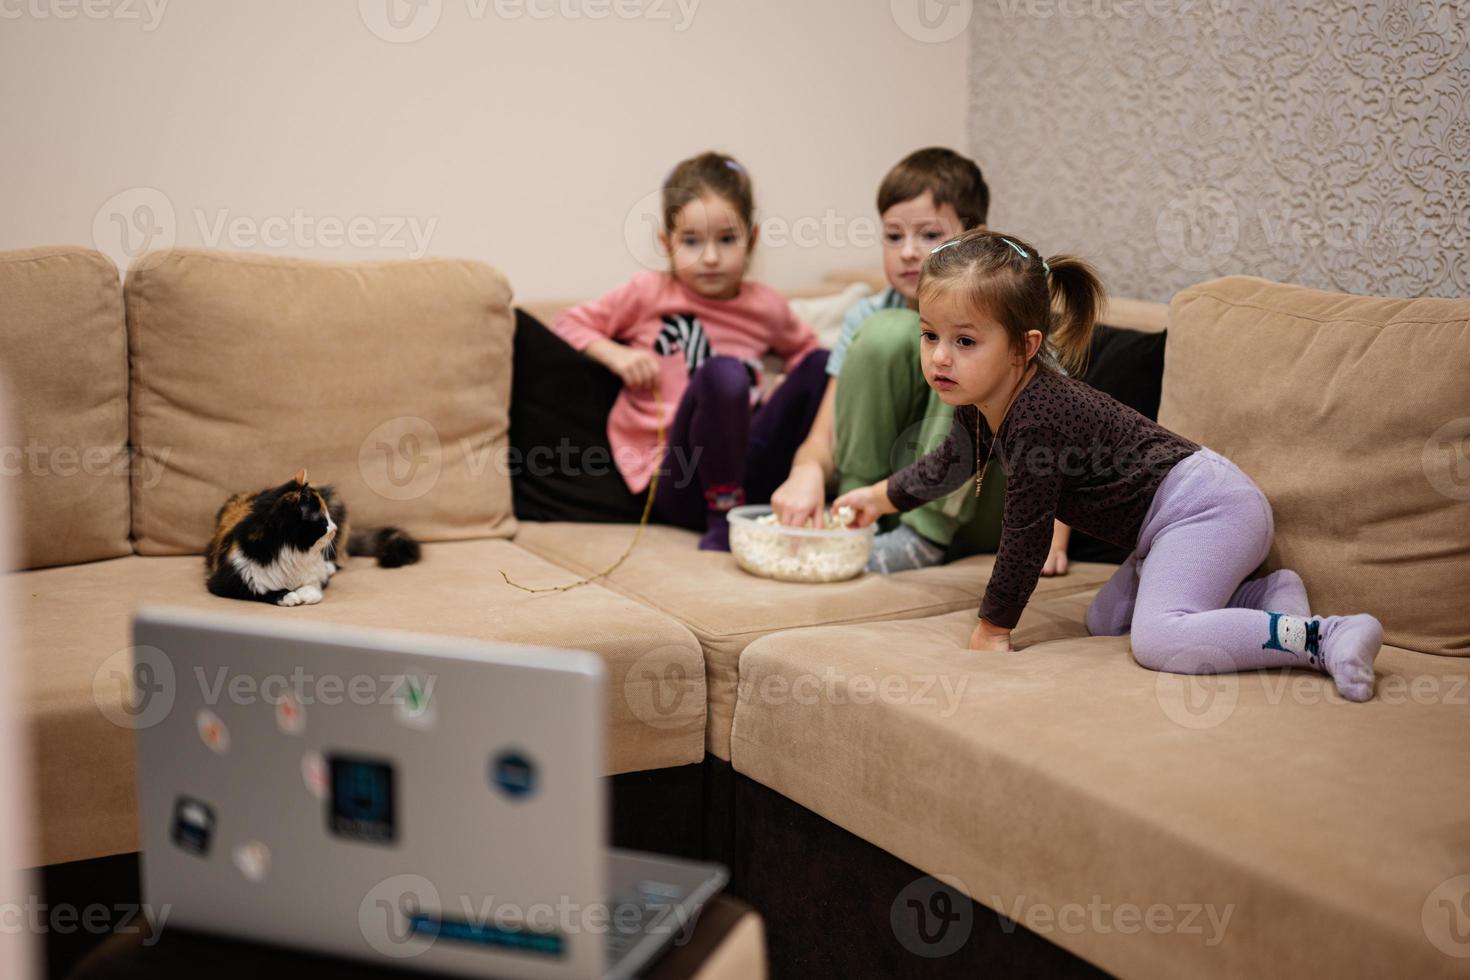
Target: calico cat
point(283, 545)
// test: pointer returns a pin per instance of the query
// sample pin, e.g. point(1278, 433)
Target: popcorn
point(830, 522)
point(830, 554)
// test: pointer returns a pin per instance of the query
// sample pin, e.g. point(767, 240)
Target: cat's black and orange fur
point(283, 545)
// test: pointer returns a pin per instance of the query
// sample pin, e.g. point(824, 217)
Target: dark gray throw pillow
point(1129, 365)
point(560, 463)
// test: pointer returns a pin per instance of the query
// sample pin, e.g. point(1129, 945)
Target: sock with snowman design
point(1267, 623)
point(1342, 647)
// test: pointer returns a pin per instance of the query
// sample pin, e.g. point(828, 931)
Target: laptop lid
point(375, 794)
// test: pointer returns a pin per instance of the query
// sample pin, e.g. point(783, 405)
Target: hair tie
point(734, 166)
point(1023, 254)
point(938, 248)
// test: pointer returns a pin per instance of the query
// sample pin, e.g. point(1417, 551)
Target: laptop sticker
point(193, 827)
point(360, 805)
point(254, 860)
point(213, 731)
point(413, 703)
point(290, 715)
point(513, 774)
point(314, 774)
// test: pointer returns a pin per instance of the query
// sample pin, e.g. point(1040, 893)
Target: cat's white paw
point(307, 595)
point(331, 569)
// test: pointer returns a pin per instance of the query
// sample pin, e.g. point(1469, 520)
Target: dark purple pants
point(720, 453)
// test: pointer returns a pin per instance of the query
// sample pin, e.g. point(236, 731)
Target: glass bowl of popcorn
point(764, 547)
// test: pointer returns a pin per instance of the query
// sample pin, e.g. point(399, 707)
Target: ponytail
point(1076, 298)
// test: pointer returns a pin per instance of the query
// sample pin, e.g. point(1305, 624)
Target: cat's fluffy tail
point(392, 547)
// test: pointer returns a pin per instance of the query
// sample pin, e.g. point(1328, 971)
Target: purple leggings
point(720, 453)
point(1183, 590)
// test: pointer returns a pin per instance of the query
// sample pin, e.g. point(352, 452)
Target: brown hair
point(1009, 280)
point(708, 173)
point(949, 177)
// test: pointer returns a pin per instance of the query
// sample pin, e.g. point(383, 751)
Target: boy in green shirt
point(883, 415)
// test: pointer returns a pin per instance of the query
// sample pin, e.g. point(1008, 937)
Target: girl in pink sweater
point(689, 343)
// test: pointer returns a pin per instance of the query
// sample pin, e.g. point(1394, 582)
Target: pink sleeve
point(793, 339)
point(604, 318)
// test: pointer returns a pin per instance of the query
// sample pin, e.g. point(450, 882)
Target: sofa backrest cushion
point(1352, 414)
point(390, 380)
point(63, 350)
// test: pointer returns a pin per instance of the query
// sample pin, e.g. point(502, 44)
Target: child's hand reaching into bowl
point(798, 501)
point(867, 503)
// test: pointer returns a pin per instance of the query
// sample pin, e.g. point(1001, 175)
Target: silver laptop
point(418, 800)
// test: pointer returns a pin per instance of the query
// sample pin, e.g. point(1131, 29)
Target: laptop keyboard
point(653, 901)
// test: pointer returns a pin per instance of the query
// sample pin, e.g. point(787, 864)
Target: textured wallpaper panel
point(1171, 141)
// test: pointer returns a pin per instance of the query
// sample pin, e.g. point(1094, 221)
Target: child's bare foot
point(1349, 644)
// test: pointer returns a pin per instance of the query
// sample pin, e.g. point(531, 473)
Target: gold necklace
point(980, 470)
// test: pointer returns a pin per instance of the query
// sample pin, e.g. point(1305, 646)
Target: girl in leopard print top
point(1198, 526)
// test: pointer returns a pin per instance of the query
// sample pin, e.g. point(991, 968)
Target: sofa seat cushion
point(1074, 791)
point(727, 608)
point(75, 619)
point(64, 361)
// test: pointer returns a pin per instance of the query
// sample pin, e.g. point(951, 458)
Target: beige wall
point(1171, 141)
point(528, 141)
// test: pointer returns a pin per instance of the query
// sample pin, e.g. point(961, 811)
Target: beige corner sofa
point(1055, 777)
point(227, 372)
point(1241, 825)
